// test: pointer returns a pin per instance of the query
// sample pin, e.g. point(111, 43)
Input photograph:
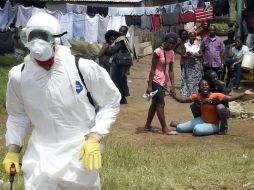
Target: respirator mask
point(40, 50)
point(39, 41)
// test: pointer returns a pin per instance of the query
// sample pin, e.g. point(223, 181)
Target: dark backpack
point(82, 79)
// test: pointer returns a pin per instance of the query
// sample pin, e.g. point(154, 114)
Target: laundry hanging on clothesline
point(79, 23)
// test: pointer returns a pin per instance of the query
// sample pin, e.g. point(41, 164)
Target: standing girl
point(157, 80)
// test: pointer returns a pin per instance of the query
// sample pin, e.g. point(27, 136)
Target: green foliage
point(221, 27)
point(8, 60)
point(3, 82)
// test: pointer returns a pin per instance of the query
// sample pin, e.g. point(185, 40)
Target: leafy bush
point(221, 27)
point(3, 83)
point(8, 60)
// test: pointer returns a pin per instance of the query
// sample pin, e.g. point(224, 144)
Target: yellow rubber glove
point(91, 154)
point(11, 158)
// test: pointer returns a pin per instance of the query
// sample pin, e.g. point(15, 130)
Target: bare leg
point(161, 117)
point(151, 114)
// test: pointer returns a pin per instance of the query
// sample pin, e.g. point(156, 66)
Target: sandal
point(170, 133)
point(152, 129)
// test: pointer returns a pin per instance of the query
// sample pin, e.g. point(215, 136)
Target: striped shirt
point(212, 50)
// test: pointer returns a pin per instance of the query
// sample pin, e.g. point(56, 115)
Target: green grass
point(153, 167)
point(6, 62)
point(127, 166)
point(3, 82)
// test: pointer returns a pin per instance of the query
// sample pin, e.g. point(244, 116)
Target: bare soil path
point(132, 117)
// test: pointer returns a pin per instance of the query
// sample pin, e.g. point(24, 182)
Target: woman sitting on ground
point(208, 122)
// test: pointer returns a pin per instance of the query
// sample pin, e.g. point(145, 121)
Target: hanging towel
point(102, 28)
point(78, 26)
point(70, 7)
point(6, 41)
point(139, 11)
point(103, 11)
point(129, 20)
point(115, 22)
point(170, 18)
point(113, 11)
point(12, 12)
point(81, 9)
point(4, 16)
point(136, 20)
point(125, 11)
point(91, 28)
point(220, 7)
point(152, 10)
point(92, 11)
point(23, 15)
point(156, 21)
point(75, 8)
point(167, 8)
point(66, 24)
point(146, 22)
point(187, 17)
point(36, 10)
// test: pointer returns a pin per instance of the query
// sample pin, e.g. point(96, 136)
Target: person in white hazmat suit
point(63, 151)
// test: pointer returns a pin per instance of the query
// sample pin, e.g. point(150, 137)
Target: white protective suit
point(56, 102)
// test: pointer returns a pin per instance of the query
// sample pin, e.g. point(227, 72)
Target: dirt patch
point(132, 117)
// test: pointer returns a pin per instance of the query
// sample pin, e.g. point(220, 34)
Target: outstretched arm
point(232, 98)
point(181, 99)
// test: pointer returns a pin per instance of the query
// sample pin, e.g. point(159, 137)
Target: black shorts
point(159, 96)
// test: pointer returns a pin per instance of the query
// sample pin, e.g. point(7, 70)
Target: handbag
point(122, 59)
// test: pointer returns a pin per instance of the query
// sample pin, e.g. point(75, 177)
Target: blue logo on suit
point(79, 87)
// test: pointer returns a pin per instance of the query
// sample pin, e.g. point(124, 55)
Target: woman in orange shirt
point(208, 122)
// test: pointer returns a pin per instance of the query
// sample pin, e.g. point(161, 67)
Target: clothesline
point(92, 29)
point(122, 11)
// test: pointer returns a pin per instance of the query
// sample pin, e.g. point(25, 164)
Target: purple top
point(212, 49)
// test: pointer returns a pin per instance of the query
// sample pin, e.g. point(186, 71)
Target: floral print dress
point(191, 72)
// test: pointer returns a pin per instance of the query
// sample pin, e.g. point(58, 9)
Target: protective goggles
point(28, 34)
